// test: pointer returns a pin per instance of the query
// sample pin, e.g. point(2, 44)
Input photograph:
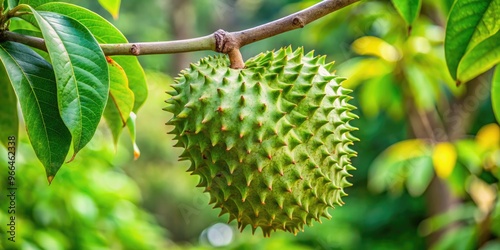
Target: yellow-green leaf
point(112, 6)
point(444, 159)
point(479, 59)
point(495, 93)
point(392, 167)
point(374, 46)
point(120, 101)
point(488, 137)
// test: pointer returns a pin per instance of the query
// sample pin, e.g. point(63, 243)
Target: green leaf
point(495, 93)
point(469, 23)
point(446, 5)
point(408, 9)
point(120, 101)
point(122, 96)
point(113, 119)
point(81, 73)
point(24, 23)
point(381, 94)
point(393, 167)
point(9, 4)
point(34, 3)
point(34, 83)
point(422, 86)
point(112, 6)
point(462, 212)
point(9, 121)
point(481, 58)
point(105, 32)
point(136, 79)
point(420, 175)
point(470, 155)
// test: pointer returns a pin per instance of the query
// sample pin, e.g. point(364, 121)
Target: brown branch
point(31, 41)
point(220, 41)
point(291, 22)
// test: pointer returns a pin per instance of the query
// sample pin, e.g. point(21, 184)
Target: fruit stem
point(227, 43)
point(236, 59)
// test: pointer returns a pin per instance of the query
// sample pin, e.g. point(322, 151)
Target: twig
point(219, 41)
point(31, 41)
point(168, 47)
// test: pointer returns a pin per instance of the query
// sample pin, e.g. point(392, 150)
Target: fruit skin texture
point(269, 142)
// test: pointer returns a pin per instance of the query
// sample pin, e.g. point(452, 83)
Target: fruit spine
point(269, 142)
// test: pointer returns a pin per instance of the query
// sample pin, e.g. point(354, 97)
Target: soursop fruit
point(269, 142)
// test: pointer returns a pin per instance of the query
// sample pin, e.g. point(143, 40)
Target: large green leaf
point(446, 5)
point(9, 4)
point(34, 3)
point(34, 83)
point(120, 102)
point(81, 73)
point(479, 59)
point(112, 6)
point(9, 121)
point(408, 9)
point(470, 22)
point(105, 32)
point(495, 93)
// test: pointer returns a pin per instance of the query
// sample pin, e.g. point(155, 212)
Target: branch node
point(297, 21)
point(225, 42)
point(219, 35)
point(135, 50)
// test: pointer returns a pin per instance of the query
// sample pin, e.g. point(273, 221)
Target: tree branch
point(291, 22)
point(219, 41)
point(167, 47)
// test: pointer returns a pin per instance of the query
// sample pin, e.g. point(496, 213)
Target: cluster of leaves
point(409, 72)
point(469, 168)
point(471, 44)
point(471, 48)
point(73, 214)
point(65, 90)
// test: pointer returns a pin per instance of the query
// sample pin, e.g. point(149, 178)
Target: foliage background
point(105, 200)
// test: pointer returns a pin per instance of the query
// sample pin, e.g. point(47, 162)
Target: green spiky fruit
point(269, 142)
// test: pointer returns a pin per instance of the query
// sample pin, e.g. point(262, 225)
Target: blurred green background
point(427, 171)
